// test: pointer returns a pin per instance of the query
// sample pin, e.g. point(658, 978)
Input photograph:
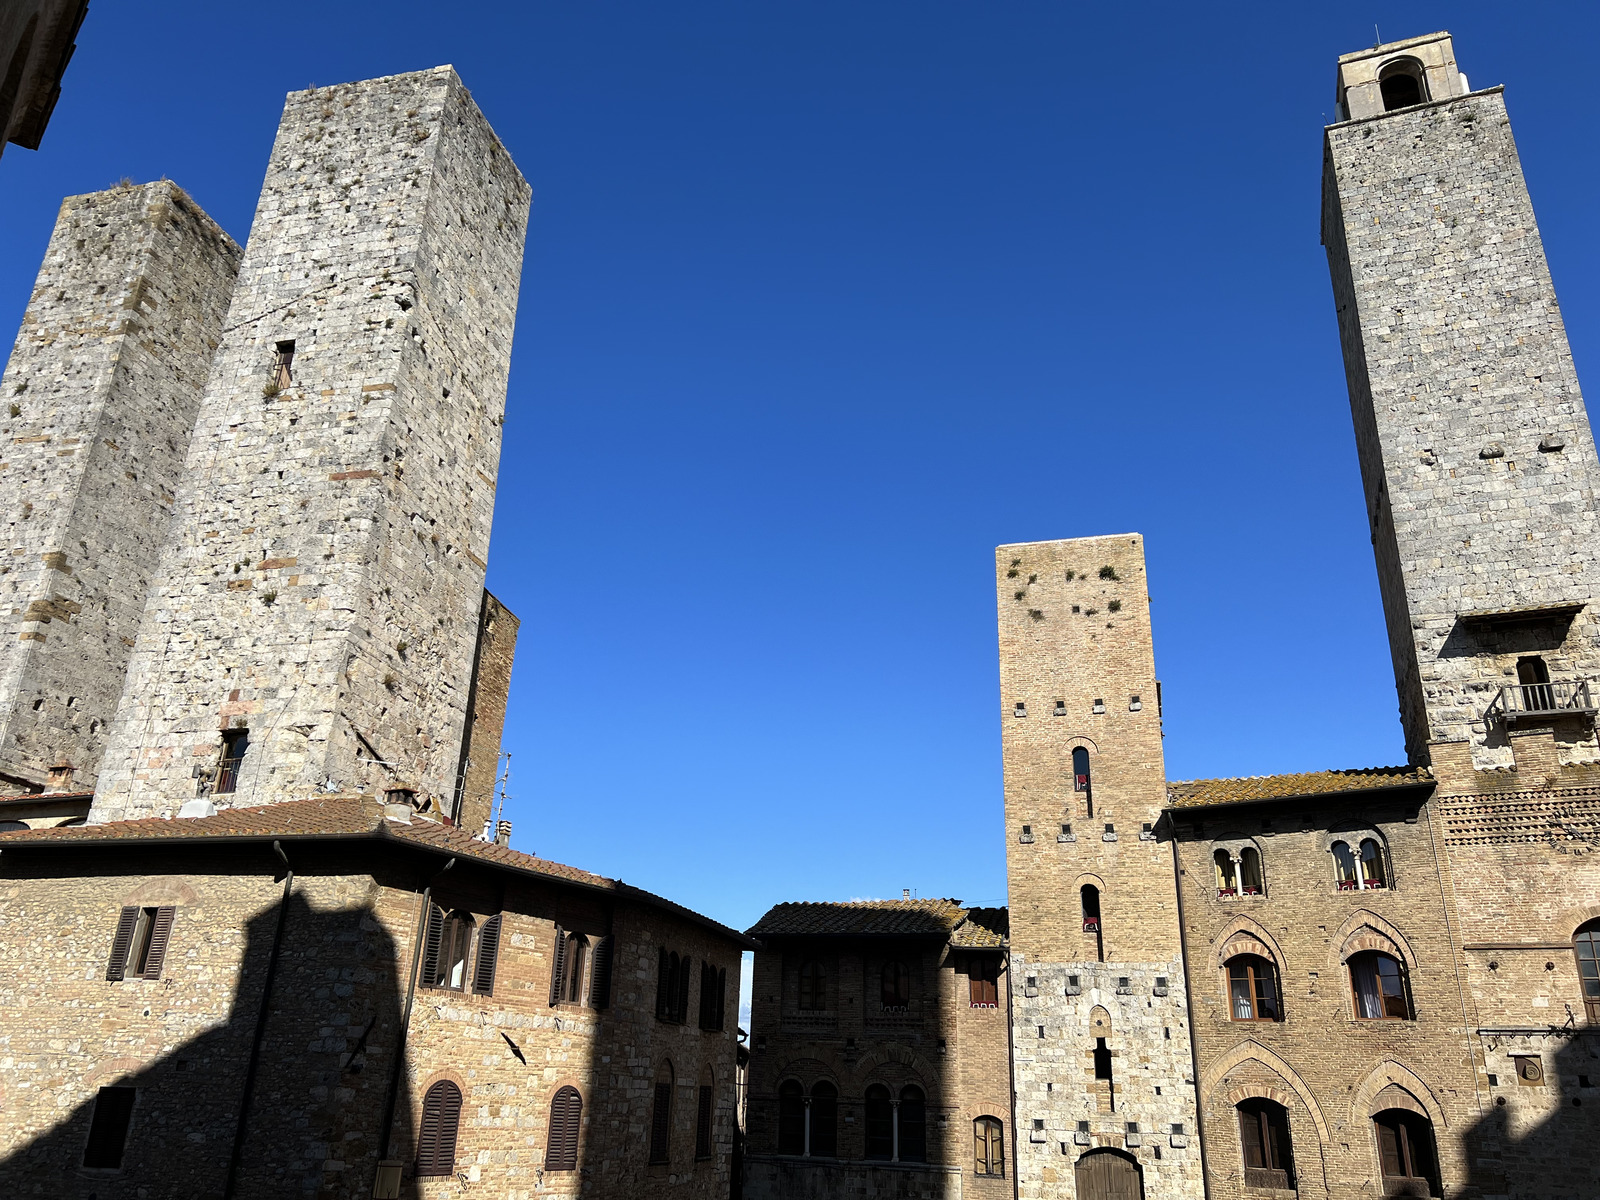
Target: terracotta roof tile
point(861, 918)
point(35, 797)
point(983, 928)
point(344, 816)
point(1203, 793)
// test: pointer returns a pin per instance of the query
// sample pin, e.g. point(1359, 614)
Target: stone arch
point(1245, 936)
point(446, 1073)
point(1250, 1050)
point(1366, 930)
point(900, 1053)
point(162, 889)
point(807, 1071)
point(1099, 1022)
point(1077, 739)
point(1088, 877)
point(1385, 1079)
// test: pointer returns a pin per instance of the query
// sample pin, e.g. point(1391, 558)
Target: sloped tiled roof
point(44, 797)
point(342, 817)
point(1203, 793)
point(984, 928)
point(876, 918)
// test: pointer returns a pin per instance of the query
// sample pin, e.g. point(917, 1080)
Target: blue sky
point(822, 301)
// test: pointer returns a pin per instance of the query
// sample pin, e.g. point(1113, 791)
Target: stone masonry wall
point(486, 713)
point(1077, 670)
point(98, 401)
point(323, 579)
point(1476, 451)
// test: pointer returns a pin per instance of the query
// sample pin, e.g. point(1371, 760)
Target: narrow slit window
point(283, 364)
point(108, 1128)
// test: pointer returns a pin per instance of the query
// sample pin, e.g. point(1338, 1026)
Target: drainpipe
point(261, 1029)
point(1188, 996)
point(1011, 1079)
point(390, 1100)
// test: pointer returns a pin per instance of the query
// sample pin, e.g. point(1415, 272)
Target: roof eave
point(1351, 794)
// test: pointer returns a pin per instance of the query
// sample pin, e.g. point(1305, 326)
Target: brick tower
point(1476, 455)
point(1101, 1053)
point(314, 619)
point(98, 402)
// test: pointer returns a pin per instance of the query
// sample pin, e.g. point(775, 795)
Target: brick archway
point(1248, 1051)
point(1349, 939)
point(1390, 1073)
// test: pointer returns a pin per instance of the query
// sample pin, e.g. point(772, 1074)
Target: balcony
point(1541, 701)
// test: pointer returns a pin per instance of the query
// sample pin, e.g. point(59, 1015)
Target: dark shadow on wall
point(324, 1067)
point(1557, 1154)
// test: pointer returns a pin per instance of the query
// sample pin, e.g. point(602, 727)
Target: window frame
point(812, 992)
point(235, 745)
point(1264, 1129)
point(107, 1125)
point(790, 1133)
point(1258, 974)
point(983, 981)
point(989, 1148)
point(441, 1103)
point(1401, 997)
point(1399, 1125)
point(1588, 935)
point(566, 1119)
point(894, 987)
point(660, 1139)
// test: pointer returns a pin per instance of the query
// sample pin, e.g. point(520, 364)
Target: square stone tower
point(1100, 1028)
point(314, 621)
point(1476, 453)
point(97, 401)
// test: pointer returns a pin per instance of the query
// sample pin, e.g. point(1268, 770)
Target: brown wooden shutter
point(566, 1114)
point(663, 984)
point(661, 1123)
point(722, 999)
point(683, 987)
point(488, 956)
point(119, 944)
point(600, 974)
point(702, 1124)
point(558, 965)
point(160, 934)
point(436, 1140)
point(1250, 1139)
point(430, 946)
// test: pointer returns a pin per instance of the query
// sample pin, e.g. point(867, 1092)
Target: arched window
point(813, 986)
point(436, 1140)
point(1264, 1138)
point(445, 949)
point(1090, 896)
point(1534, 677)
point(1586, 942)
point(1344, 866)
point(791, 1117)
point(1252, 989)
point(577, 961)
point(1378, 982)
point(989, 1146)
point(1227, 881)
point(704, 1111)
point(896, 987)
point(913, 1125)
point(661, 1116)
point(1401, 84)
point(1372, 872)
point(1080, 769)
point(1250, 880)
point(879, 1122)
point(566, 1115)
point(1405, 1153)
point(824, 1129)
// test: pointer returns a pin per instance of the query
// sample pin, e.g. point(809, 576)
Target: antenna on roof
point(1377, 38)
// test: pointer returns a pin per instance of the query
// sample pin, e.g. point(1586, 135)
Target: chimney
point(60, 777)
point(905, 893)
point(502, 833)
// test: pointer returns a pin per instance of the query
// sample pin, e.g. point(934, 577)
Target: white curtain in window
point(1365, 974)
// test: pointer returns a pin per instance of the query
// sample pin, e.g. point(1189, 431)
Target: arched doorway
point(1109, 1175)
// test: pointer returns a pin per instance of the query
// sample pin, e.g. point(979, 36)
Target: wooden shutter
point(661, 1123)
point(488, 956)
point(160, 935)
point(120, 943)
point(430, 946)
point(558, 965)
point(722, 998)
point(600, 974)
point(1250, 1139)
point(683, 988)
point(441, 1118)
point(566, 1112)
point(702, 1124)
point(663, 984)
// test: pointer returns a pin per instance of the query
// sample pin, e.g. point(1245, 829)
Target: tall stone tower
point(1100, 1029)
point(1478, 462)
point(97, 401)
point(314, 620)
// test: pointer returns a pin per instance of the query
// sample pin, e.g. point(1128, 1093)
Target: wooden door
point(1107, 1175)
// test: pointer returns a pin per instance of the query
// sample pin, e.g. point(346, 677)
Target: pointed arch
point(1387, 1074)
point(896, 1052)
point(1349, 939)
point(1248, 1051)
point(1236, 936)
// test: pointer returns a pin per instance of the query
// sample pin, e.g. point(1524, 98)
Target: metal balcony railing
point(1542, 701)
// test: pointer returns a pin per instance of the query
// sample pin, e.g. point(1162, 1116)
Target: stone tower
point(1478, 462)
point(98, 402)
point(314, 620)
point(1100, 1028)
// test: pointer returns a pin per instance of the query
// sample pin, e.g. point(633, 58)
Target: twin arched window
point(808, 1125)
point(897, 1130)
point(1362, 869)
point(446, 949)
point(1238, 875)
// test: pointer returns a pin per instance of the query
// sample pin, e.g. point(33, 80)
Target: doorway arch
point(1106, 1174)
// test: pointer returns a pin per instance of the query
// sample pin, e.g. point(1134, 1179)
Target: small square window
point(1134, 704)
point(1038, 1122)
point(1021, 710)
point(1083, 1127)
point(1494, 1080)
point(1041, 1030)
point(1161, 981)
point(1110, 828)
point(1177, 1128)
point(1133, 1127)
point(1122, 981)
point(1099, 705)
point(1061, 708)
